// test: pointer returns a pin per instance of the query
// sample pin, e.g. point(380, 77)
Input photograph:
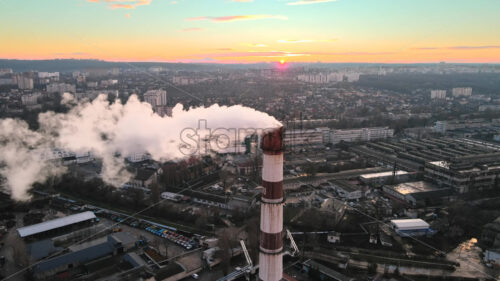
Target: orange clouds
point(269, 54)
point(460, 48)
point(474, 47)
point(123, 4)
point(237, 18)
point(304, 41)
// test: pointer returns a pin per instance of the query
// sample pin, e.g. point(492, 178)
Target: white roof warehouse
point(410, 224)
point(411, 227)
point(54, 224)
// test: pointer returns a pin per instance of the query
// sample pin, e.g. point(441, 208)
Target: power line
point(411, 237)
point(150, 75)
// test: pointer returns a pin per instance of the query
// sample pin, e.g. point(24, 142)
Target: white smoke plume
point(20, 164)
point(111, 132)
point(68, 99)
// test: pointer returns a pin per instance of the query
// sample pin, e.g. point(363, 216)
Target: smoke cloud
point(111, 132)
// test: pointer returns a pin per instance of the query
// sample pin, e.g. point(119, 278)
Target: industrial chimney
point(271, 210)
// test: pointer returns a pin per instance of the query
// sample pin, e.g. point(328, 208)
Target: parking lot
point(152, 230)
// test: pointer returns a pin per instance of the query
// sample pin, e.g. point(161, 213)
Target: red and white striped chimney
point(271, 210)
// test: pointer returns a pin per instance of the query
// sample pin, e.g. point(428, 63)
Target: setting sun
point(282, 61)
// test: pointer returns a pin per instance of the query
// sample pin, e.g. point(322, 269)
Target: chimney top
point(272, 141)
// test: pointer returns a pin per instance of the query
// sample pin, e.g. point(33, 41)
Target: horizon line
point(242, 63)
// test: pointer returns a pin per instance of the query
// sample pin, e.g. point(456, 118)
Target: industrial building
point(444, 126)
point(81, 254)
point(466, 173)
point(465, 165)
point(211, 199)
point(303, 137)
point(411, 227)
point(419, 193)
point(348, 190)
point(362, 134)
point(58, 225)
point(384, 177)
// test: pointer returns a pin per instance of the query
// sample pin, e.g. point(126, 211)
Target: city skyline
point(246, 31)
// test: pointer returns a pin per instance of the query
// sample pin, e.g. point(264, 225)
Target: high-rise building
point(438, 94)
point(352, 77)
point(7, 81)
point(45, 78)
point(461, 92)
point(335, 77)
point(156, 98)
point(24, 83)
point(30, 99)
point(115, 71)
point(61, 88)
point(4, 71)
point(51, 75)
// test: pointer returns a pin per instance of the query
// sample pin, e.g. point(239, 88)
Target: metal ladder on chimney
point(249, 268)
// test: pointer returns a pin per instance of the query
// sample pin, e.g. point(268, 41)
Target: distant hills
point(68, 65)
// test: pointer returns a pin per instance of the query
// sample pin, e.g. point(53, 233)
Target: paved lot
point(468, 255)
point(172, 248)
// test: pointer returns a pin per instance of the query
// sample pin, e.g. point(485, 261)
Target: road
point(7, 251)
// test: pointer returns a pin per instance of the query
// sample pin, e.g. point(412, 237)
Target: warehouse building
point(419, 193)
point(362, 134)
point(411, 227)
point(84, 253)
point(57, 226)
point(465, 165)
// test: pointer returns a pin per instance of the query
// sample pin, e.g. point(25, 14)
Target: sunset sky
point(252, 31)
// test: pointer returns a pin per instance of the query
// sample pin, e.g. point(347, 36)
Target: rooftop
point(94, 251)
point(383, 174)
point(414, 187)
point(410, 223)
point(54, 224)
point(348, 186)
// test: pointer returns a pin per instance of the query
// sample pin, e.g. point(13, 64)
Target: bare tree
point(137, 196)
point(155, 192)
point(253, 232)
point(227, 240)
point(19, 251)
point(256, 164)
point(202, 221)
